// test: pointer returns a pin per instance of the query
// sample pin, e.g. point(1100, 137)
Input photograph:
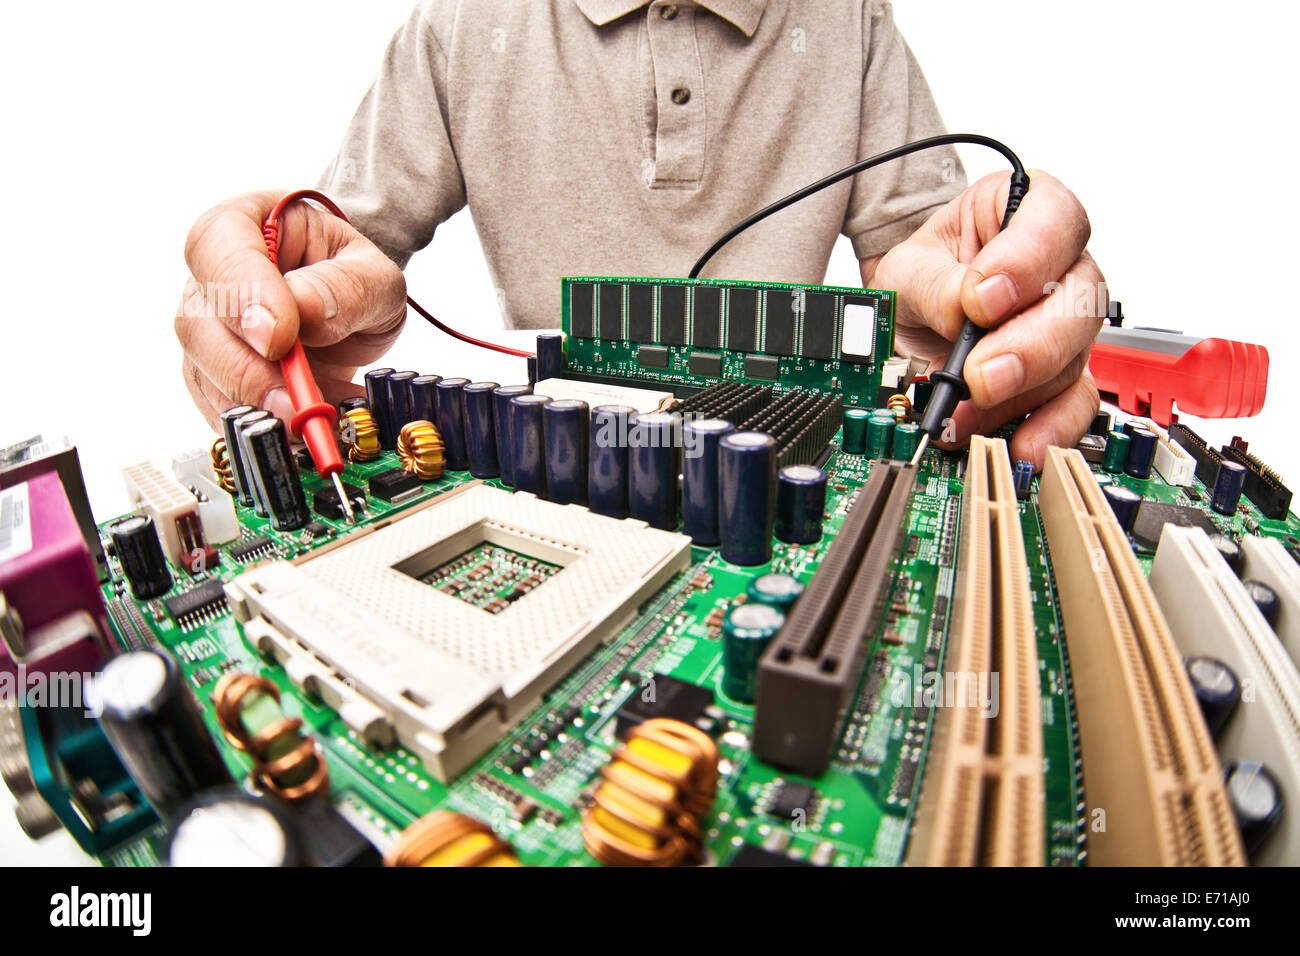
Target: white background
point(1173, 122)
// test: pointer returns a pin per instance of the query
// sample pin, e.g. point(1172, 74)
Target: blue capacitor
point(1125, 502)
point(242, 424)
point(700, 439)
point(377, 393)
point(527, 443)
point(746, 497)
point(1141, 452)
point(1256, 799)
point(424, 398)
point(531, 362)
point(1216, 688)
point(243, 491)
point(451, 422)
point(550, 355)
point(1227, 487)
point(399, 398)
point(501, 419)
point(564, 428)
point(654, 440)
point(800, 503)
point(607, 459)
point(480, 429)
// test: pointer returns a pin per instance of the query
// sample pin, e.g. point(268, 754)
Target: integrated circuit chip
point(198, 605)
point(664, 696)
point(1154, 515)
point(672, 315)
point(706, 364)
point(641, 312)
point(793, 801)
point(706, 320)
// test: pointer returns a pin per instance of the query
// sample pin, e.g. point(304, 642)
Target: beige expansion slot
point(982, 799)
point(1153, 782)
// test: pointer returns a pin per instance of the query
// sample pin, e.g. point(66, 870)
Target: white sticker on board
point(859, 330)
point(15, 523)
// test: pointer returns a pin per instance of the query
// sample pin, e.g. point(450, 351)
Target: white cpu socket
point(359, 625)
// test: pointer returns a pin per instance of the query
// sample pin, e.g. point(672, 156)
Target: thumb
point(357, 289)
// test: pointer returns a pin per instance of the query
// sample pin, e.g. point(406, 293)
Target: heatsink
point(355, 625)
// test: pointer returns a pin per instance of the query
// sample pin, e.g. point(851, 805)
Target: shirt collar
point(743, 14)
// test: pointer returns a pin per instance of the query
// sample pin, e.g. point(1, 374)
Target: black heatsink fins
point(802, 424)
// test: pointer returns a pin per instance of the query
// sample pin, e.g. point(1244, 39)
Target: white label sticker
point(859, 329)
point(15, 523)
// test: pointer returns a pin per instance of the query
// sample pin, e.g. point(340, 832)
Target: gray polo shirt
point(616, 137)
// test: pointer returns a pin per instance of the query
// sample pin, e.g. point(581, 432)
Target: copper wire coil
point(419, 448)
point(364, 444)
point(437, 831)
point(900, 405)
point(222, 467)
point(304, 759)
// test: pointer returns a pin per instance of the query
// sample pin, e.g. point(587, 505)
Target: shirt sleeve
point(890, 202)
point(396, 173)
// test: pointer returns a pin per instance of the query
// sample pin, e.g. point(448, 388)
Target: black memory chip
point(706, 325)
point(582, 299)
point(707, 364)
point(640, 312)
point(793, 801)
point(672, 314)
point(392, 484)
point(778, 336)
point(611, 310)
point(742, 319)
point(1154, 515)
point(818, 325)
point(652, 356)
point(765, 367)
point(750, 855)
point(664, 696)
point(209, 594)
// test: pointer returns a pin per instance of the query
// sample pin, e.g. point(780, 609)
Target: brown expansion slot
point(1153, 783)
point(982, 799)
point(810, 670)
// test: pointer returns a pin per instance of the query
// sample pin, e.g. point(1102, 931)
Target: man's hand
point(1034, 285)
point(238, 315)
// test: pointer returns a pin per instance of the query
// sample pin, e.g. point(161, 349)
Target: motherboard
point(795, 649)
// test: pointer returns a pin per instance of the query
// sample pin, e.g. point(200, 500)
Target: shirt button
point(681, 95)
point(669, 12)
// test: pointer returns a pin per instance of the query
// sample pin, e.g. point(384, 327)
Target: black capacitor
point(226, 826)
point(607, 459)
point(377, 393)
point(1256, 800)
point(154, 724)
point(747, 497)
point(242, 424)
point(1228, 486)
point(501, 421)
point(1265, 599)
point(564, 429)
point(480, 429)
point(1217, 690)
point(423, 391)
point(550, 355)
point(1101, 424)
point(531, 364)
point(451, 422)
point(1231, 552)
point(653, 466)
point(1141, 452)
point(353, 401)
point(1125, 502)
point(399, 398)
point(700, 439)
point(800, 503)
point(278, 484)
point(527, 443)
point(243, 494)
point(135, 539)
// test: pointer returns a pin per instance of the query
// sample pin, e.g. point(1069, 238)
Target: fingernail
point(329, 305)
point(277, 403)
point(1003, 377)
point(997, 294)
point(257, 325)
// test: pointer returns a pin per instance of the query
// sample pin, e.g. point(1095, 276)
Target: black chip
point(818, 325)
point(1092, 448)
point(706, 327)
point(652, 356)
point(582, 298)
point(1153, 516)
point(664, 696)
point(1192, 494)
point(906, 778)
point(326, 501)
point(392, 484)
point(778, 336)
point(742, 319)
point(611, 311)
point(316, 529)
point(250, 547)
point(641, 312)
point(708, 364)
point(794, 801)
point(766, 367)
point(751, 855)
point(672, 314)
point(304, 460)
point(209, 594)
